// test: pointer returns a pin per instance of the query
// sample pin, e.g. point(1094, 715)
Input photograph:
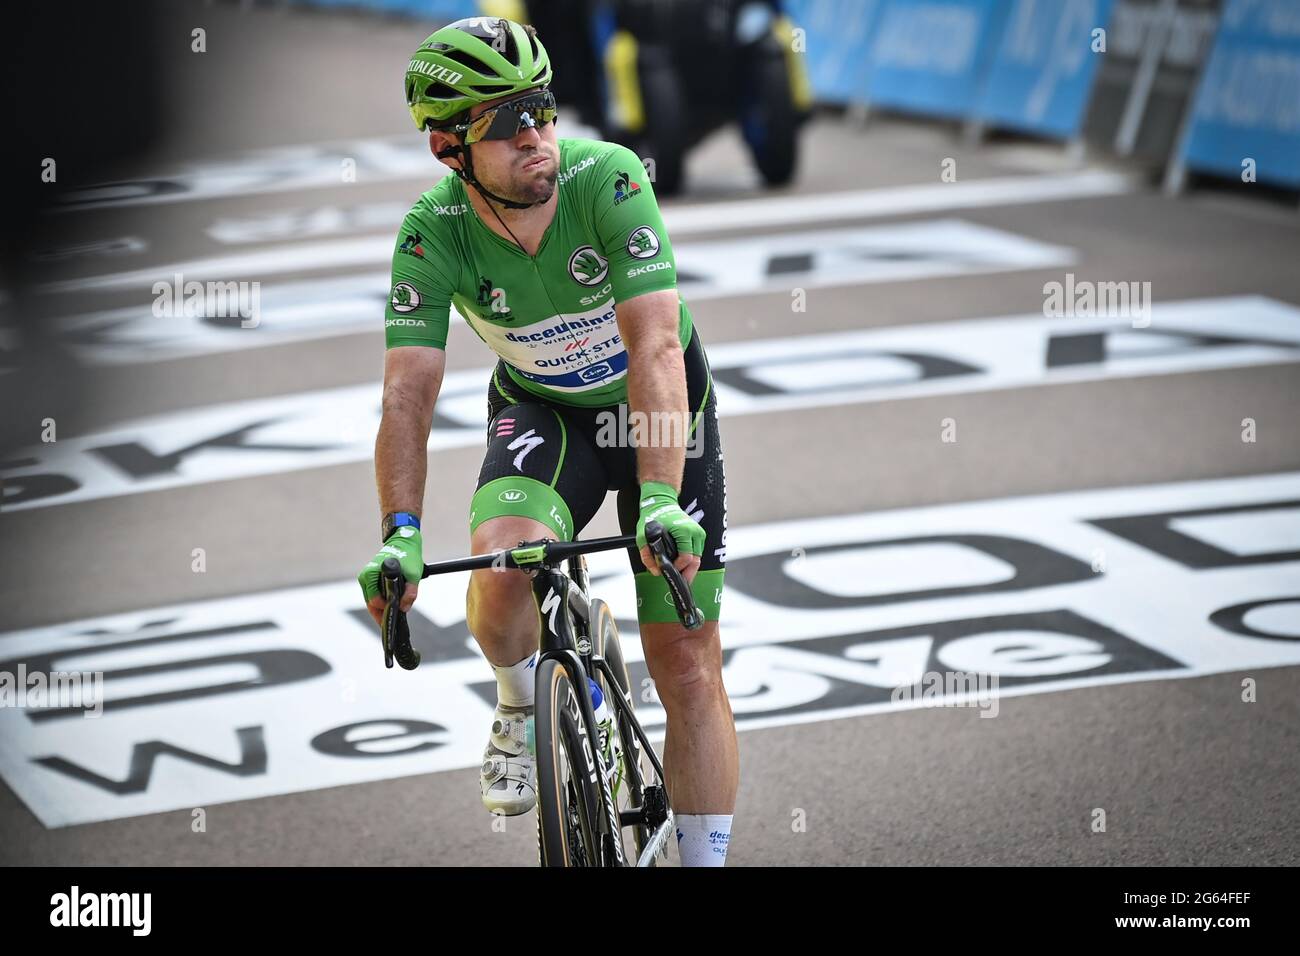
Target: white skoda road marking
point(891, 201)
point(331, 426)
point(282, 169)
point(346, 305)
point(821, 618)
point(338, 305)
point(704, 269)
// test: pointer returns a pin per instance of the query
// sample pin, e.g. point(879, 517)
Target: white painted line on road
point(280, 169)
point(893, 201)
point(747, 214)
point(334, 426)
point(337, 305)
point(695, 218)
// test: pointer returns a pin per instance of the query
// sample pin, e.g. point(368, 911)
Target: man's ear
point(446, 144)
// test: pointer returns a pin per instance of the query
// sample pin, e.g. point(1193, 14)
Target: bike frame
point(556, 591)
point(563, 599)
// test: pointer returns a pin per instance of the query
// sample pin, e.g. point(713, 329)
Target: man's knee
point(498, 588)
point(684, 665)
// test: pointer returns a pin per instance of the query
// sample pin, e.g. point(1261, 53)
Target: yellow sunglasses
point(507, 119)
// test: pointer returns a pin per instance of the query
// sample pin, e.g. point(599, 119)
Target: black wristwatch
point(395, 520)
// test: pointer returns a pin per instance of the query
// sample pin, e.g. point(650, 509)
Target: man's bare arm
point(412, 380)
point(656, 377)
point(656, 382)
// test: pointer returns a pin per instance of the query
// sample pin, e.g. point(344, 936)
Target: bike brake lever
point(395, 632)
point(664, 548)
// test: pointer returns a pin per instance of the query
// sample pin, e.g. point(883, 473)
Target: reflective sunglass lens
point(506, 121)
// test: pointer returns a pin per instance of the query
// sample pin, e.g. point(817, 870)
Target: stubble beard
point(531, 190)
point(538, 190)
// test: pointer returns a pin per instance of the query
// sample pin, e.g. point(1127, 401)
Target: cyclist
point(555, 253)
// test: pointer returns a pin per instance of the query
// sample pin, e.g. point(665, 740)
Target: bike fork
point(552, 590)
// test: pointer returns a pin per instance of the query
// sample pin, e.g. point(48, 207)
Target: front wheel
point(568, 798)
point(629, 774)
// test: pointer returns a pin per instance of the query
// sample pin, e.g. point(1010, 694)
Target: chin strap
point(467, 174)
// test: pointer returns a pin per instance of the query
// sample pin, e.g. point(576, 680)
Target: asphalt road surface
point(928, 473)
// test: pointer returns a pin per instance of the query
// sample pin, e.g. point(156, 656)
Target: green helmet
point(472, 61)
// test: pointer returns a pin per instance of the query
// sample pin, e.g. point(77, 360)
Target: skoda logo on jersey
point(643, 243)
point(511, 496)
point(587, 267)
point(405, 298)
point(593, 372)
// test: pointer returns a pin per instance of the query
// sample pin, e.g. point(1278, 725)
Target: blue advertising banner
point(1042, 74)
point(431, 9)
point(931, 56)
point(1247, 109)
point(837, 35)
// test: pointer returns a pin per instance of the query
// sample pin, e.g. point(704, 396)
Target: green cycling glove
point(659, 503)
point(404, 544)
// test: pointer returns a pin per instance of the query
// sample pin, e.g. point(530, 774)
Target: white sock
point(702, 838)
point(515, 682)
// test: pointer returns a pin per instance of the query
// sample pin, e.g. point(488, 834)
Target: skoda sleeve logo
point(587, 267)
point(405, 298)
point(642, 243)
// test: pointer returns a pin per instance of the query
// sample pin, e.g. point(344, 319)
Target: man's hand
point(407, 547)
point(659, 503)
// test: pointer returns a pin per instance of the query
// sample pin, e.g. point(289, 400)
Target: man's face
point(523, 168)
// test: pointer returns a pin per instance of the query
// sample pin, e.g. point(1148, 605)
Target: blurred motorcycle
point(660, 75)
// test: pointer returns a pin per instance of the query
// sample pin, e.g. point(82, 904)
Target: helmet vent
point(506, 38)
point(469, 61)
point(441, 91)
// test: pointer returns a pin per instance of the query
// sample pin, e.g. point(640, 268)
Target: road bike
point(593, 782)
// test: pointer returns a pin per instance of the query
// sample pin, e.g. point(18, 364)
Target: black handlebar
point(396, 633)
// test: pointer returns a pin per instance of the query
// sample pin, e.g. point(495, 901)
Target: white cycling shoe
point(508, 776)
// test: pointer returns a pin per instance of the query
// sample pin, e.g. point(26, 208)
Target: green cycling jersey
point(549, 316)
